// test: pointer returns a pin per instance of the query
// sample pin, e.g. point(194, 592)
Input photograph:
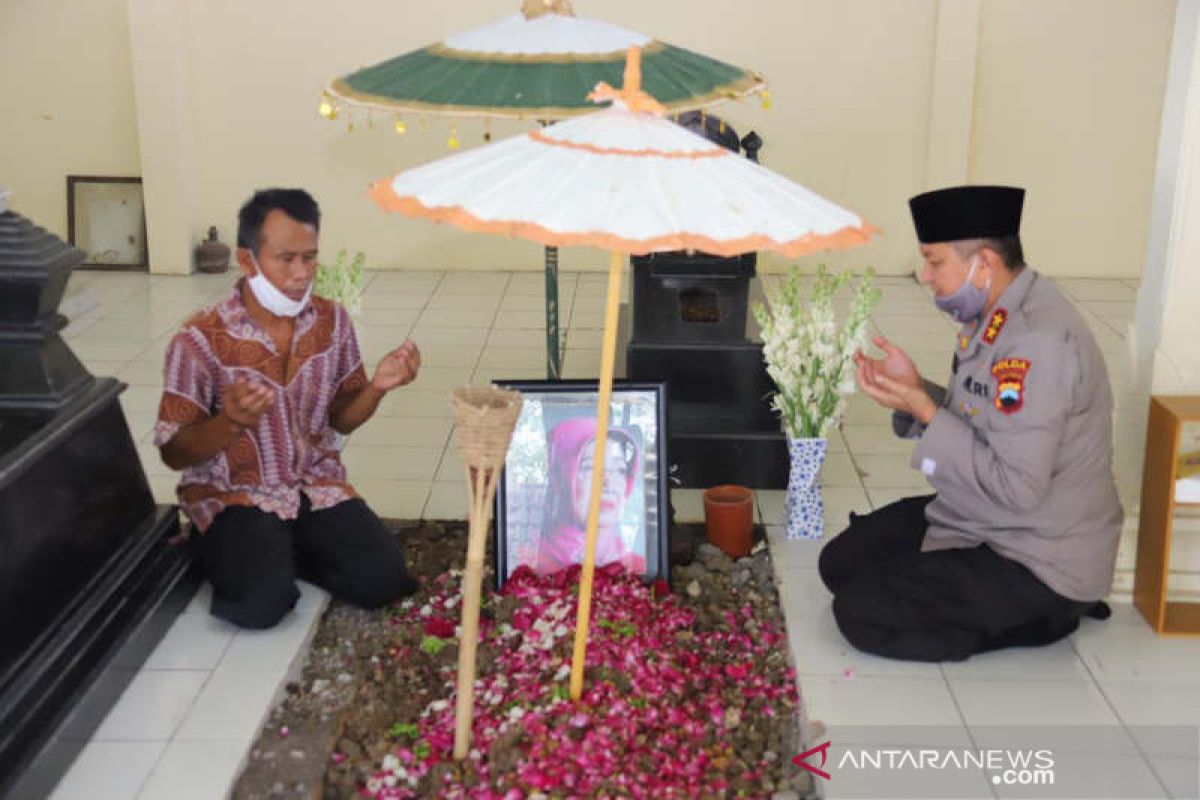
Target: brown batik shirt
point(293, 449)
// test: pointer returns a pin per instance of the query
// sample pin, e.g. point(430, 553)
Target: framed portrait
point(106, 219)
point(544, 489)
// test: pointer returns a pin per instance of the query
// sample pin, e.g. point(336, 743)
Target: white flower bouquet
point(341, 281)
point(809, 357)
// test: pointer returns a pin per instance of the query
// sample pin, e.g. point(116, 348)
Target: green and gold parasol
point(538, 64)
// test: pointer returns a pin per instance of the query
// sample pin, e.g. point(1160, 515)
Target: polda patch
point(1010, 383)
point(995, 325)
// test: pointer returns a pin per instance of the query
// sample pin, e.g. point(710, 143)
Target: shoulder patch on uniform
point(1010, 383)
point(995, 325)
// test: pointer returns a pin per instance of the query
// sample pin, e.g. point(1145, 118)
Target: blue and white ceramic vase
point(804, 510)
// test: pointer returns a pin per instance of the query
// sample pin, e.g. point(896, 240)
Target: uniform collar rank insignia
point(1010, 383)
point(995, 325)
point(963, 341)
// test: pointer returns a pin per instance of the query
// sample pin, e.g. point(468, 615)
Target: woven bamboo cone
point(485, 419)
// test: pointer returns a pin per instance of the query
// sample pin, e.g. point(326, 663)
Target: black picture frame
point(106, 218)
point(530, 498)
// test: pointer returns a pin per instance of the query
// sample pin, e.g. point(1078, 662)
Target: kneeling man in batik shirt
point(256, 390)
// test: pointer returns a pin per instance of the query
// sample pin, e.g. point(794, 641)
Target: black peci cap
point(967, 212)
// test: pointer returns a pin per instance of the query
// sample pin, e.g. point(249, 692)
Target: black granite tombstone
point(690, 328)
point(85, 556)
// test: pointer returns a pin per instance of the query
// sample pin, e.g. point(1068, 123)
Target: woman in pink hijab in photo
point(572, 448)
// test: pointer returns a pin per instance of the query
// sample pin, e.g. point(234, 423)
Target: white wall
point(67, 101)
point(1068, 100)
point(1166, 326)
point(1163, 357)
point(847, 120)
point(1065, 100)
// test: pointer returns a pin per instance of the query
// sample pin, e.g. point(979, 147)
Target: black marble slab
point(37, 369)
point(682, 298)
point(721, 428)
point(85, 564)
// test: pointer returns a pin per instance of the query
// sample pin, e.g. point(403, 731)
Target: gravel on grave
point(691, 692)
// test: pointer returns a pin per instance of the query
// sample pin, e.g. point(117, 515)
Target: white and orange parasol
point(629, 181)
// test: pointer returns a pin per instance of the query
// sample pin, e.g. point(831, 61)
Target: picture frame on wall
point(106, 219)
point(544, 489)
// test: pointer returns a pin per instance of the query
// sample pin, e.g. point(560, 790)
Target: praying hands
point(894, 382)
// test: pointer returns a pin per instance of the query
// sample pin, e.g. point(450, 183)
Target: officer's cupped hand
point(894, 394)
point(876, 385)
point(896, 364)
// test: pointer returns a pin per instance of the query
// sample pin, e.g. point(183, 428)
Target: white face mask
point(271, 298)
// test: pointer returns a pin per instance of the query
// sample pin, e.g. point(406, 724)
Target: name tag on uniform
point(977, 388)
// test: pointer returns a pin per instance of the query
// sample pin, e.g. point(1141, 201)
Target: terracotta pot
point(729, 518)
point(212, 255)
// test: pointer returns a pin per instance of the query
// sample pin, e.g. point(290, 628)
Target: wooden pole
point(608, 356)
point(481, 488)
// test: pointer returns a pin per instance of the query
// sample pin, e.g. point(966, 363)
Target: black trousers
point(253, 558)
point(893, 600)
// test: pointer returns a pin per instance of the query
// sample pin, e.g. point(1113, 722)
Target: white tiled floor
point(182, 728)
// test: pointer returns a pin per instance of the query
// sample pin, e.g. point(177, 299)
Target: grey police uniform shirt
point(1020, 451)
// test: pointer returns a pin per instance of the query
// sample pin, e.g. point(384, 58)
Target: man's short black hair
point(296, 203)
point(1007, 247)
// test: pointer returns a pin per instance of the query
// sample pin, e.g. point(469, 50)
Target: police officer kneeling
point(1020, 539)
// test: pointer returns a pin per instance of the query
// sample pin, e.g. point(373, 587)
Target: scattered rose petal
point(663, 702)
point(439, 627)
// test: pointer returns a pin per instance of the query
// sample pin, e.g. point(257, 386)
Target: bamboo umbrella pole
point(607, 361)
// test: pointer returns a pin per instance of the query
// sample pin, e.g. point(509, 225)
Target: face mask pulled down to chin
point(271, 298)
point(968, 302)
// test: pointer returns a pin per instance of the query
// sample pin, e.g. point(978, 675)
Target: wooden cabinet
point(1163, 433)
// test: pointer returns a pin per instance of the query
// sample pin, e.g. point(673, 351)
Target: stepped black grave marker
point(85, 558)
point(690, 328)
